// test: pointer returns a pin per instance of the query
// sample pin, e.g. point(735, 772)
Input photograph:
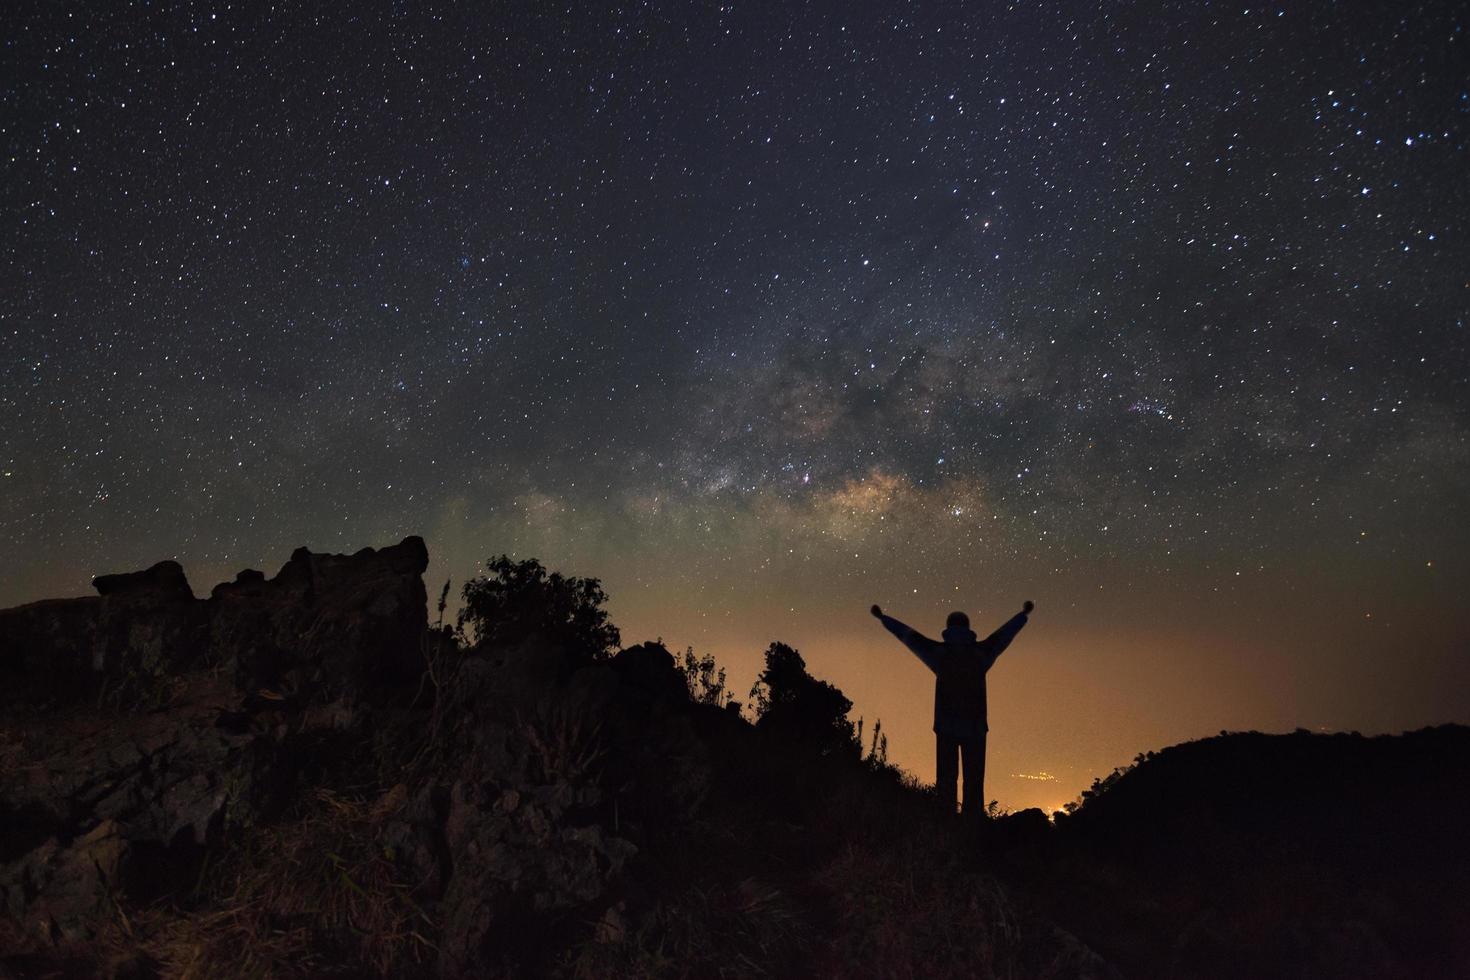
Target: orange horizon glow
point(1113, 663)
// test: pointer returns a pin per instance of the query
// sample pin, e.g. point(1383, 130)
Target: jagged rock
point(415, 838)
point(248, 581)
point(514, 855)
point(164, 784)
point(61, 891)
point(335, 623)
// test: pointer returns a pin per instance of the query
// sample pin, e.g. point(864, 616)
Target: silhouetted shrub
point(518, 600)
point(791, 702)
point(705, 679)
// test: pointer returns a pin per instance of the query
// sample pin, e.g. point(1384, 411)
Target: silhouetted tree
point(790, 701)
point(519, 599)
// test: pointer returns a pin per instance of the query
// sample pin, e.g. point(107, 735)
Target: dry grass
point(909, 910)
point(565, 741)
point(444, 663)
point(749, 929)
point(313, 897)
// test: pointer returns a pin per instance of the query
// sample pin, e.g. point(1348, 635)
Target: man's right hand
point(1026, 606)
point(877, 613)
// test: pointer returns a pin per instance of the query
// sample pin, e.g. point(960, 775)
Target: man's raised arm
point(997, 642)
point(923, 647)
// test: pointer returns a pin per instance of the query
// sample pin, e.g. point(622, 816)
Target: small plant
point(444, 660)
point(566, 742)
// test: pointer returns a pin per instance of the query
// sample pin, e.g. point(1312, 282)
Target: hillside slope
point(301, 777)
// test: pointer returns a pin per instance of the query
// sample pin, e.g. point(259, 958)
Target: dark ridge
point(301, 776)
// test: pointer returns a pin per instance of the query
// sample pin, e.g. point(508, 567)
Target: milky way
point(764, 313)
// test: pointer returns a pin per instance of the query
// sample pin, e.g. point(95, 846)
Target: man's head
point(957, 620)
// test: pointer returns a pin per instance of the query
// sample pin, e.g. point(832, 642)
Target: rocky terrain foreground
point(301, 776)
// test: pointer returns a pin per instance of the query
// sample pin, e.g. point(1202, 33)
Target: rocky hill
point(301, 776)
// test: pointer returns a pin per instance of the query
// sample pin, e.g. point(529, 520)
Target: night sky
point(1156, 315)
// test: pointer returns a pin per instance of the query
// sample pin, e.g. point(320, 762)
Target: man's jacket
point(959, 664)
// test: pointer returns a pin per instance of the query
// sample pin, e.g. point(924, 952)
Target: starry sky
point(763, 313)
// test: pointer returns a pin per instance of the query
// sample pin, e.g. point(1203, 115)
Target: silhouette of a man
point(959, 664)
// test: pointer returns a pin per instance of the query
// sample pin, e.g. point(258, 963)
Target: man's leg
point(974, 753)
point(946, 769)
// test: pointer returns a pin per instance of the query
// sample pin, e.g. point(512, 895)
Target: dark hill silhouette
point(1275, 855)
point(301, 776)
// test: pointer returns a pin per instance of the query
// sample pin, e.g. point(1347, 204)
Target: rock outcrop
point(98, 804)
point(155, 747)
point(336, 622)
point(104, 792)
